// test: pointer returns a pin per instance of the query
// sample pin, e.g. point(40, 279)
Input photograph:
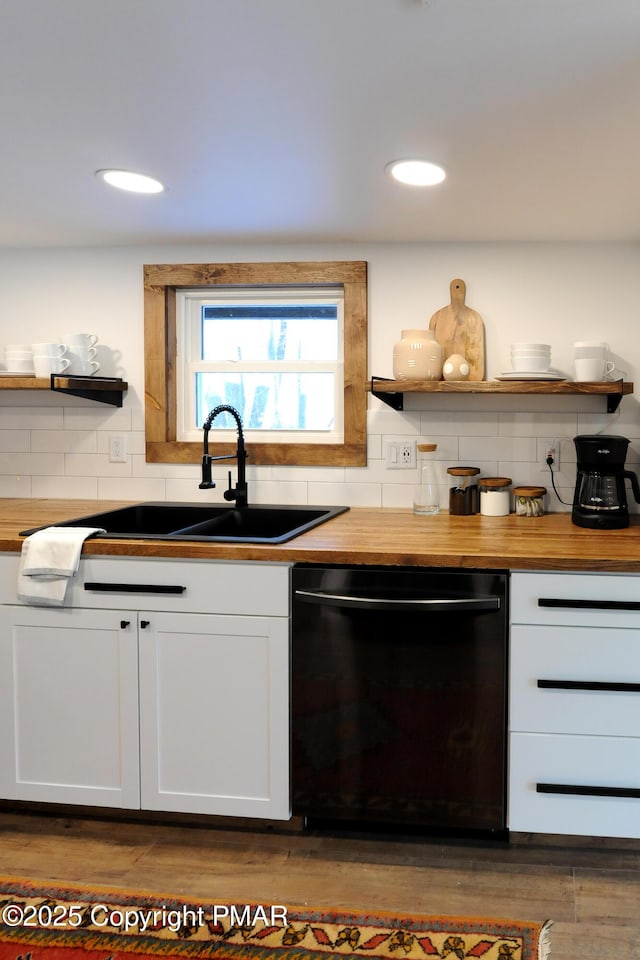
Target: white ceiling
point(272, 120)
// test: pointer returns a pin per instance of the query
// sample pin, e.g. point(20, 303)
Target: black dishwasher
point(399, 699)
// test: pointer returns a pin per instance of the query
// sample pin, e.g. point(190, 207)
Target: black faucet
point(239, 492)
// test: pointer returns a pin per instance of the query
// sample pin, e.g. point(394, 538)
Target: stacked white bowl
point(530, 357)
point(19, 358)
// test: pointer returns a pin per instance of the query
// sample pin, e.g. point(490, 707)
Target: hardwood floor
point(590, 889)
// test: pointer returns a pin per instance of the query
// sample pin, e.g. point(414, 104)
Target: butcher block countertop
point(373, 536)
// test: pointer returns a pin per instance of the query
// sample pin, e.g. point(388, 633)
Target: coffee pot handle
point(635, 486)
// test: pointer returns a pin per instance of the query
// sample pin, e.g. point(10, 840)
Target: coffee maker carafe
point(600, 499)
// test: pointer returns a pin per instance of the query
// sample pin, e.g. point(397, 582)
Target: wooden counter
point(370, 536)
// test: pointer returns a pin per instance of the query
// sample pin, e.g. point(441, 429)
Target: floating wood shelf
point(101, 389)
point(392, 392)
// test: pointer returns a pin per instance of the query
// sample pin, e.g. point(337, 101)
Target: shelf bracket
point(613, 399)
point(101, 389)
point(395, 399)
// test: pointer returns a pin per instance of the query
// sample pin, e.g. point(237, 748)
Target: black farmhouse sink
point(262, 523)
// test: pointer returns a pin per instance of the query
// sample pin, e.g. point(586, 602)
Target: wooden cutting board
point(459, 329)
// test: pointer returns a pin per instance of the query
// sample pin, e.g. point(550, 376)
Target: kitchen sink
point(262, 523)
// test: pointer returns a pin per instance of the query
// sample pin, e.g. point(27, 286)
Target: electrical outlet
point(117, 448)
point(549, 448)
point(400, 453)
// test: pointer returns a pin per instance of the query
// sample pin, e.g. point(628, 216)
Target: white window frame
point(189, 304)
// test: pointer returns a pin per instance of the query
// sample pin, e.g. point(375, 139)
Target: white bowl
point(530, 346)
point(529, 366)
point(529, 352)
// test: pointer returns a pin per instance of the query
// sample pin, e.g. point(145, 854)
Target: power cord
point(550, 462)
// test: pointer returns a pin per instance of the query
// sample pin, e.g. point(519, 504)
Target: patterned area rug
point(54, 923)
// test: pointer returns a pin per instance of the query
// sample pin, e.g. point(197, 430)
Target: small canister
point(529, 501)
point(463, 490)
point(495, 496)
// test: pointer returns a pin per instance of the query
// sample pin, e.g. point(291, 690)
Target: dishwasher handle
point(425, 604)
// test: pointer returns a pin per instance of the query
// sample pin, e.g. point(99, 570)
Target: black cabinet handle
point(611, 687)
point(589, 604)
point(586, 791)
point(144, 624)
point(134, 587)
point(124, 624)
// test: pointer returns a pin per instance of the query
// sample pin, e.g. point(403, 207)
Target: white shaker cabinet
point(214, 714)
point(574, 764)
point(69, 706)
point(162, 685)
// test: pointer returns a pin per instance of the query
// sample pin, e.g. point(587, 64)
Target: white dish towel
point(49, 559)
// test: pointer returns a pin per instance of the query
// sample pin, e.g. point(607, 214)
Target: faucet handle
point(206, 483)
point(230, 493)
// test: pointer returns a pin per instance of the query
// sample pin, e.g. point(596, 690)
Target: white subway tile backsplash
point(15, 486)
point(91, 465)
point(63, 451)
point(12, 441)
point(69, 441)
point(60, 488)
point(305, 474)
point(396, 496)
point(98, 417)
point(32, 464)
point(440, 423)
point(351, 494)
point(537, 425)
point(128, 488)
point(498, 448)
point(31, 418)
point(272, 491)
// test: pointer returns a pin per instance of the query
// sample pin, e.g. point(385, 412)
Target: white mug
point(592, 369)
point(74, 340)
point(45, 365)
point(82, 368)
point(49, 349)
point(81, 353)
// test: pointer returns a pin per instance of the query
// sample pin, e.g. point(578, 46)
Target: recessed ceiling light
point(127, 180)
point(417, 173)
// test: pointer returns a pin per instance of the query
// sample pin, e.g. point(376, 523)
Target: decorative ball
point(456, 368)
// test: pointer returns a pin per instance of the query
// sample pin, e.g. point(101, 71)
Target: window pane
point(250, 332)
point(269, 401)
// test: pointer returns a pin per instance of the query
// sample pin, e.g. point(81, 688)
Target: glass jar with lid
point(463, 490)
point(426, 499)
point(529, 501)
point(495, 496)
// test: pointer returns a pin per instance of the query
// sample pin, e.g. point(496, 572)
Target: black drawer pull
point(584, 791)
point(134, 587)
point(589, 604)
point(612, 687)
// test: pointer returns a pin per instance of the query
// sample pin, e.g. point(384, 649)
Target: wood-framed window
point(163, 373)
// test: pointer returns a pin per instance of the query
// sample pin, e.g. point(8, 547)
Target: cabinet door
point(214, 714)
point(69, 706)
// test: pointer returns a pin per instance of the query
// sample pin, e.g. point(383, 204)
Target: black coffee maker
point(600, 499)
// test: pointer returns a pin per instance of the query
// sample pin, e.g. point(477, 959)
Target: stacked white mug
point(49, 358)
point(590, 361)
point(19, 358)
point(81, 352)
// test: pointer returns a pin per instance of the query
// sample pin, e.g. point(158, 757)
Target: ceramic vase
point(417, 356)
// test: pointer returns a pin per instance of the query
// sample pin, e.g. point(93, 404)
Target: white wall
point(52, 446)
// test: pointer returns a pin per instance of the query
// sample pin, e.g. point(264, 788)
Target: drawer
point(189, 586)
point(574, 762)
point(592, 599)
point(566, 660)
